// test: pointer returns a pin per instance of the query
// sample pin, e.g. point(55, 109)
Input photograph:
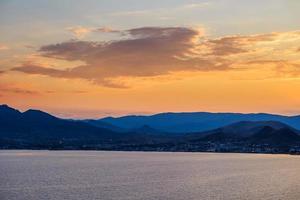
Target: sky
point(96, 58)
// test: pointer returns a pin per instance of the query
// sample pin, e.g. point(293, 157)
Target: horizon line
point(149, 114)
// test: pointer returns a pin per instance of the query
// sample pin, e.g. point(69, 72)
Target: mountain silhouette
point(36, 125)
point(259, 132)
point(35, 129)
point(197, 121)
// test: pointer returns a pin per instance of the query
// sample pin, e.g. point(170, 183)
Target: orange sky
point(88, 70)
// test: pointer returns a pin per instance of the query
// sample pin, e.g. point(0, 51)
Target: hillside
point(35, 129)
point(192, 122)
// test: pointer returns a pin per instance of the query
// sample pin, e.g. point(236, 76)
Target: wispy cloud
point(196, 5)
point(237, 44)
point(80, 32)
point(16, 90)
point(106, 30)
point(162, 11)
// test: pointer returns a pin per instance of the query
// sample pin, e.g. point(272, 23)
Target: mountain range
point(35, 129)
point(194, 121)
point(256, 132)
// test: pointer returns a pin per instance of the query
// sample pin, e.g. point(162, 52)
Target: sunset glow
point(140, 57)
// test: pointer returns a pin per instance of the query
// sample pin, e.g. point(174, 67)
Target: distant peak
point(38, 113)
point(5, 107)
point(33, 110)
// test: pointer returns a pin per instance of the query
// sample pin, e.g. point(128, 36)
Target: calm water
point(87, 175)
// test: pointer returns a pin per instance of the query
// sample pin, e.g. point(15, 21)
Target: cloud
point(237, 44)
point(34, 69)
point(106, 30)
point(149, 51)
point(80, 32)
point(225, 46)
point(23, 91)
point(283, 68)
point(155, 51)
point(162, 12)
point(196, 5)
point(17, 90)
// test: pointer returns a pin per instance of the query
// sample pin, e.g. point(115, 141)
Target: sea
point(108, 175)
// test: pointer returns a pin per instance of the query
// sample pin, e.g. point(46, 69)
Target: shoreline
point(143, 151)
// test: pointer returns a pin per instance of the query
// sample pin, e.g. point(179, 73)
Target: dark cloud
point(146, 51)
point(33, 69)
point(149, 51)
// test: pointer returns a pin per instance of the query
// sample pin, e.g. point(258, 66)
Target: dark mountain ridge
point(41, 126)
point(246, 128)
point(250, 132)
point(35, 129)
point(195, 121)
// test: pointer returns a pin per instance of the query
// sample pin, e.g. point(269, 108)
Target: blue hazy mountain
point(106, 125)
point(243, 129)
point(251, 132)
point(197, 121)
point(38, 129)
point(35, 129)
point(41, 126)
